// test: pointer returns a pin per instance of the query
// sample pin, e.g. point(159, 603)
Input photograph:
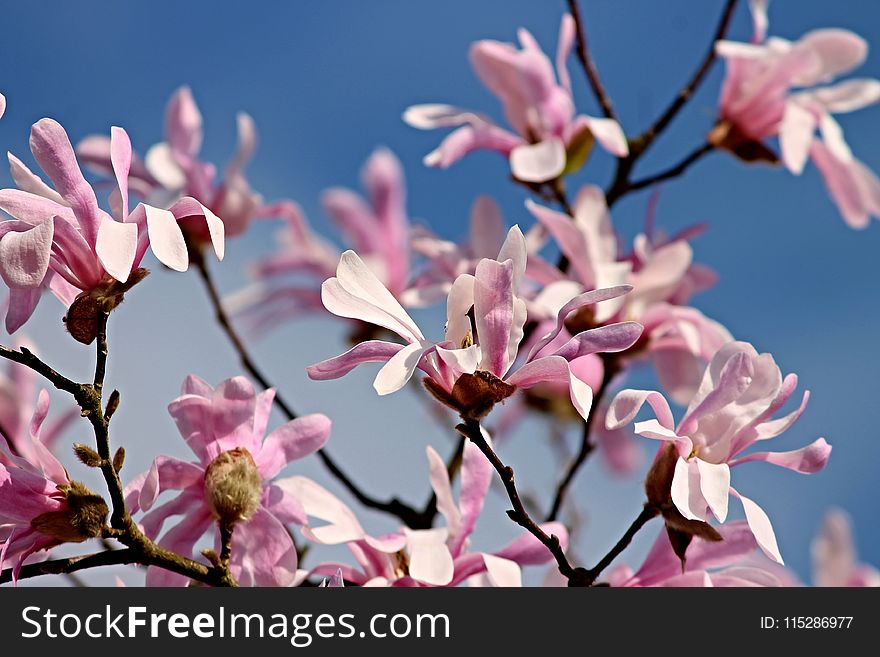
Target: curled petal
point(371, 351)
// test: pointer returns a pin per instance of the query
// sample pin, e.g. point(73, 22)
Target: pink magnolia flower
point(429, 557)
point(377, 227)
point(470, 370)
point(663, 276)
point(40, 507)
point(708, 564)
point(17, 392)
point(2, 105)
point(231, 482)
point(171, 170)
point(757, 102)
point(549, 140)
point(835, 562)
point(732, 410)
point(60, 238)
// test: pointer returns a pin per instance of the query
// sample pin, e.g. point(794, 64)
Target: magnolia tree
point(546, 318)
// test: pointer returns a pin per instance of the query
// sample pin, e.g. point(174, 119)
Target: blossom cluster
point(545, 318)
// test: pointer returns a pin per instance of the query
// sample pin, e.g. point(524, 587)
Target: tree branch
point(395, 507)
point(621, 184)
point(688, 90)
point(583, 54)
point(471, 429)
point(648, 512)
point(673, 171)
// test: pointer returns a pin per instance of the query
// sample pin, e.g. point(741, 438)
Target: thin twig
point(673, 171)
point(648, 512)
point(688, 90)
point(471, 429)
point(638, 146)
point(583, 54)
point(394, 507)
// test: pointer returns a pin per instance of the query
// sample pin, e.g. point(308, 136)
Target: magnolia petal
point(429, 558)
point(686, 493)
point(761, 527)
point(502, 572)
point(54, 153)
point(399, 368)
point(166, 238)
point(538, 162)
point(627, 403)
point(476, 476)
point(715, 486)
point(442, 487)
point(795, 136)
point(292, 441)
point(493, 311)
point(120, 157)
point(609, 134)
point(372, 351)
point(806, 460)
point(116, 248)
point(20, 306)
point(161, 164)
point(24, 256)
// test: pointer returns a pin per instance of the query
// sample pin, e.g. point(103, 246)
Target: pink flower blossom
point(470, 370)
point(548, 139)
point(663, 276)
point(2, 105)
point(231, 481)
point(428, 557)
point(17, 393)
point(40, 507)
point(708, 564)
point(60, 238)
point(732, 410)
point(377, 227)
point(758, 102)
point(171, 170)
point(834, 556)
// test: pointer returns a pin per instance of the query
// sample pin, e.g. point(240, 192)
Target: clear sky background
point(326, 83)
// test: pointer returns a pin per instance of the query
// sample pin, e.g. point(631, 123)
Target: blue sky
point(326, 83)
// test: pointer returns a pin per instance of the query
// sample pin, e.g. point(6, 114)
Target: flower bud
point(233, 486)
point(473, 395)
point(84, 516)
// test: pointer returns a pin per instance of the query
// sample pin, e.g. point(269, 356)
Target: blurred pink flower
point(758, 102)
point(732, 410)
point(549, 140)
point(231, 481)
point(429, 557)
point(679, 339)
point(40, 507)
point(470, 370)
point(708, 564)
point(171, 170)
point(834, 556)
point(17, 393)
point(378, 228)
point(60, 238)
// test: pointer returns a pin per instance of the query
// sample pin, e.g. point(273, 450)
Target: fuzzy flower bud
point(233, 486)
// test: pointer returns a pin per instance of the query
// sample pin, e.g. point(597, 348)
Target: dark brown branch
point(394, 507)
point(471, 429)
point(674, 171)
point(621, 184)
point(648, 512)
point(688, 90)
point(583, 55)
point(90, 400)
point(71, 565)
